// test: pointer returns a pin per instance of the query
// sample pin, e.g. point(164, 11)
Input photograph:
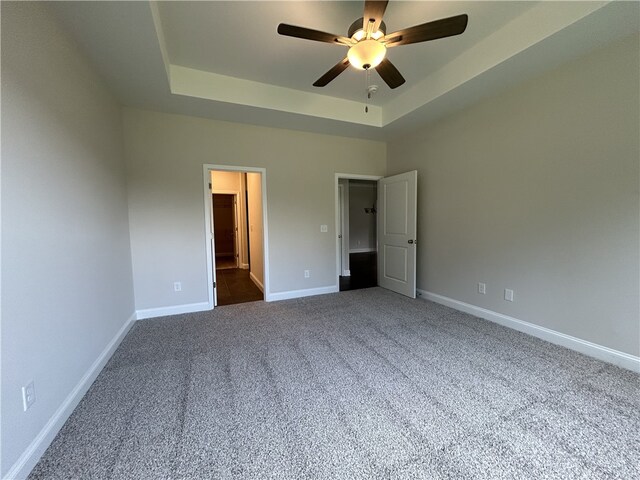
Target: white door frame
point(207, 168)
point(341, 235)
point(338, 177)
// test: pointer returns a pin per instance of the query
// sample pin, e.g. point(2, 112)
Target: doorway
point(357, 233)
point(225, 230)
point(237, 233)
point(395, 213)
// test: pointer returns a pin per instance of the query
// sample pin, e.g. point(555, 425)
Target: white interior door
point(397, 226)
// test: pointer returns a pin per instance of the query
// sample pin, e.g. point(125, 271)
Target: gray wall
point(362, 226)
point(66, 264)
point(165, 154)
point(537, 190)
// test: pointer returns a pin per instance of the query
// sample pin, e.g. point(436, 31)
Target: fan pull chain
point(368, 81)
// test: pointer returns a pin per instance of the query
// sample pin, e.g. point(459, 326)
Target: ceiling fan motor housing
point(357, 25)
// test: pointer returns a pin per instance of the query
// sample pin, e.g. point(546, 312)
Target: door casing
point(208, 226)
point(338, 217)
point(338, 177)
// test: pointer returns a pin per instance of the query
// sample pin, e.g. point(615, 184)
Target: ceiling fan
point(368, 41)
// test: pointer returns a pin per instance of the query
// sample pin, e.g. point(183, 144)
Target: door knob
point(410, 242)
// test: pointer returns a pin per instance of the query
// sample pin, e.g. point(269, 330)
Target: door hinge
point(214, 284)
point(209, 186)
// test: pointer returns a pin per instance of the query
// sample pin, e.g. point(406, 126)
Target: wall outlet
point(306, 274)
point(324, 229)
point(508, 295)
point(28, 396)
point(177, 286)
point(482, 288)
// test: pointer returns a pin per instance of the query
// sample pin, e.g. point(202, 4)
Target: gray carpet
point(360, 384)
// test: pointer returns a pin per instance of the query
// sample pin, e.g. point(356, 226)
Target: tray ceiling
point(225, 60)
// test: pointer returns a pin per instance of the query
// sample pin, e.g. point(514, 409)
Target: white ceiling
point(225, 60)
point(259, 54)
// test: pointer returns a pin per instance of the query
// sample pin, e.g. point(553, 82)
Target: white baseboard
point(591, 349)
point(255, 280)
point(361, 250)
point(302, 293)
point(346, 273)
point(172, 310)
point(25, 463)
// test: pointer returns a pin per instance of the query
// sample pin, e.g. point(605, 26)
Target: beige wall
point(225, 181)
point(256, 228)
point(362, 225)
point(537, 190)
point(66, 265)
point(165, 156)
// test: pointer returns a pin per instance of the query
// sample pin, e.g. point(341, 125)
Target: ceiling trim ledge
point(212, 86)
point(157, 23)
point(530, 28)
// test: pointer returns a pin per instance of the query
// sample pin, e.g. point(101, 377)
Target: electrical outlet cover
point(28, 395)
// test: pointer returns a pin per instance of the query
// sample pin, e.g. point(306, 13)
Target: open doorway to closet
point(237, 236)
point(357, 233)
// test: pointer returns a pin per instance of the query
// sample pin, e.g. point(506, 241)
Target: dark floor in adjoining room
point(235, 286)
point(364, 271)
point(227, 261)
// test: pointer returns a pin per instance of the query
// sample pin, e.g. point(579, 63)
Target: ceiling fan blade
point(309, 34)
point(337, 69)
point(373, 12)
point(390, 74)
point(446, 27)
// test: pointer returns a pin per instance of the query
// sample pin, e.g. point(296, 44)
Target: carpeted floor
point(360, 384)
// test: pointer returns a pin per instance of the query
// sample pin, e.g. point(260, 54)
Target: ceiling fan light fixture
point(366, 54)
